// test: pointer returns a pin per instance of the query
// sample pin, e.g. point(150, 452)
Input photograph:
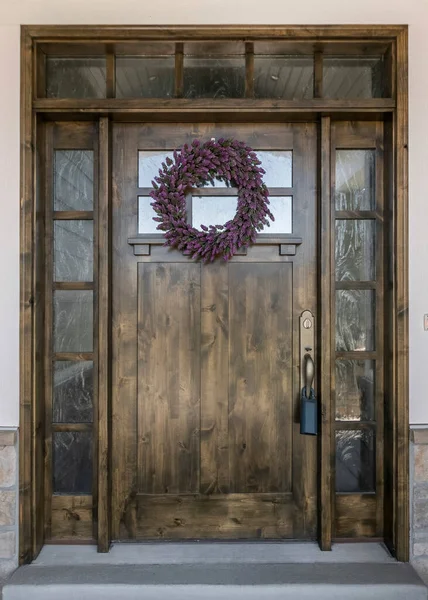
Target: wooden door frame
point(34, 108)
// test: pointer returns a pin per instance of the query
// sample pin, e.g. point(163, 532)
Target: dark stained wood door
point(206, 374)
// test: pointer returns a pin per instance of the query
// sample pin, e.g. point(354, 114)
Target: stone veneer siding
point(8, 501)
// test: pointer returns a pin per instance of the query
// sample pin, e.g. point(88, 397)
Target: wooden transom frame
point(38, 40)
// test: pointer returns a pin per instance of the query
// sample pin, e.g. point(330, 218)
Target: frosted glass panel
point(145, 77)
point(72, 462)
point(149, 163)
point(75, 77)
point(355, 250)
point(74, 180)
point(355, 390)
point(355, 326)
point(73, 321)
point(355, 461)
point(355, 180)
point(278, 166)
point(214, 77)
point(288, 77)
point(145, 216)
point(213, 210)
point(73, 391)
point(74, 250)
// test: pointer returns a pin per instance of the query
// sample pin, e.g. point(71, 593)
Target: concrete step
point(187, 572)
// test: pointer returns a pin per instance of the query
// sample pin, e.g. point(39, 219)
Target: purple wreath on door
point(197, 164)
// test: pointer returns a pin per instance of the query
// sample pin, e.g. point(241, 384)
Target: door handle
point(309, 374)
point(308, 401)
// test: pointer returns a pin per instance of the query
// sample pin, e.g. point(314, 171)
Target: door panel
point(206, 374)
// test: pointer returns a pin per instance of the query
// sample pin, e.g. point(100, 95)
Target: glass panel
point(355, 311)
point(217, 210)
point(75, 77)
point(213, 210)
point(145, 77)
point(145, 216)
point(73, 321)
point(355, 391)
point(73, 250)
point(72, 462)
point(73, 392)
point(355, 461)
point(149, 163)
point(281, 208)
point(355, 180)
point(278, 165)
point(355, 250)
point(285, 77)
point(74, 180)
point(353, 77)
point(214, 77)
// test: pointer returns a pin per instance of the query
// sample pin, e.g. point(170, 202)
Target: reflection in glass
point(285, 77)
point(73, 389)
point(214, 77)
point(355, 461)
point(281, 208)
point(145, 216)
point(355, 250)
point(355, 311)
point(213, 210)
point(145, 77)
point(353, 77)
point(355, 391)
point(278, 166)
point(149, 164)
point(75, 77)
point(74, 180)
point(355, 180)
point(73, 250)
point(72, 462)
point(73, 321)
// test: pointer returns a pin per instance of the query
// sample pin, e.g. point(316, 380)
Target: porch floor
point(195, 570)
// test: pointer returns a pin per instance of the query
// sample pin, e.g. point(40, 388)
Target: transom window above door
point(217, 203)
point(282, 70)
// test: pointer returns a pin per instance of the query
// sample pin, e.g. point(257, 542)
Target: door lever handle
point(309, 374)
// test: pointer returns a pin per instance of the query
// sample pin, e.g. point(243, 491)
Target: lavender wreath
point(194, 165)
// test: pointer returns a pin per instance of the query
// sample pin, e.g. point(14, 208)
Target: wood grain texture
point(29, 545)
point(401, 304)
point(326, 463)
point(260, 378)
point(215, 379)
point(355, 516)
point(72, 518)
point(233, 516)
point(168, 404)
point(103, 279)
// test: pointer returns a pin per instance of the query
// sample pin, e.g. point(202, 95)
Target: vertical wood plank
point(48, 279)
point(318, 74)
point(124, 311)
point(168, 330)
point(103, 225)
point(249, 70)
point(401, 302)
point(110, 72)
point(26, 473)
point(214, 379)
point(179, 70)
point(326, 451)
point(260, 377)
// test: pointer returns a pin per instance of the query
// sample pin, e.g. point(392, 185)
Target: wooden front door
point(206, 373)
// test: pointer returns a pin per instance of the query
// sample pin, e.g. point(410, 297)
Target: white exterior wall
point(138, 12)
